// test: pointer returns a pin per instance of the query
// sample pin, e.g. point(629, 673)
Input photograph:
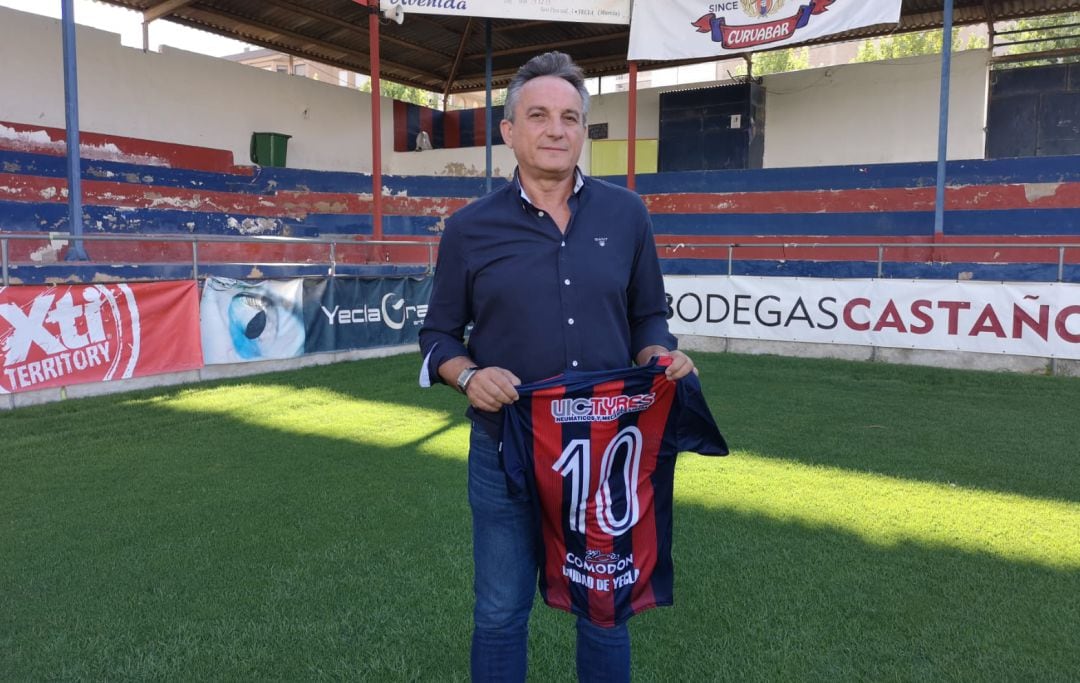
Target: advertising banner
point(265, 320)
point(58, 336)
point(1036, 319)
point(247, 321)
point(584, 11)
point(359, 313)
point(687, 29)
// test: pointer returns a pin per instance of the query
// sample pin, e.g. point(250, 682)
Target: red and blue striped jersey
point(596, 452)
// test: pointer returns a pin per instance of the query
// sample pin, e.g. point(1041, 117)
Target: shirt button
point(574, 364)
point(566, 281)
point(570, 320)
point(563, 244)
point(541, 214)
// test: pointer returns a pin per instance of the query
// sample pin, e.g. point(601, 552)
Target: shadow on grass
point(763, 599)
point(166, 544)
point(995, 431)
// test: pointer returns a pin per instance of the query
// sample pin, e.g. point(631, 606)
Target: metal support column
point(487, 105)
point(631, 130)
point(943, 121)
point(376, 124)
point(71, 115)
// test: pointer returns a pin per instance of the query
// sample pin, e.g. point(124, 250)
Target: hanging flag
point(688, 29)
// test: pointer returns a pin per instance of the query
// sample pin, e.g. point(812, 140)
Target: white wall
point(880, 112)
point(860, 113)
point(182, 97)
point(466, 161)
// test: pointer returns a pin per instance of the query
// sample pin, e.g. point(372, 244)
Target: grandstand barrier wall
point(139, 187)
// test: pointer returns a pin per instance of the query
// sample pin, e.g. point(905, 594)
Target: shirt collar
point(579, 182)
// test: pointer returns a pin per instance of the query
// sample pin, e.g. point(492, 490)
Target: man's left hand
point(681, 365)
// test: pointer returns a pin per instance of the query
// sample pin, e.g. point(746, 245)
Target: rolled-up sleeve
point(443, 333)
point(646, 299)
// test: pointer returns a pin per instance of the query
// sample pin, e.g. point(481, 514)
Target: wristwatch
point(465, 376)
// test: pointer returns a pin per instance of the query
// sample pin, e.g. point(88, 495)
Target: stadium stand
point(829, 222)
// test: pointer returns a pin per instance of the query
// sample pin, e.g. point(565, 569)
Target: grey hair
point(553, 63)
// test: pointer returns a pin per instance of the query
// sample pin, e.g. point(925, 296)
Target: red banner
point(56, 336)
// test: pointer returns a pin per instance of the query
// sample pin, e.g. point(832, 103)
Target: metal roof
point(446, 54)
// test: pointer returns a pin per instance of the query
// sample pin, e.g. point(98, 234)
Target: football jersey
point(596, 452)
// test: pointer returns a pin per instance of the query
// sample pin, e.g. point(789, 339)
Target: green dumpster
point(269, 149)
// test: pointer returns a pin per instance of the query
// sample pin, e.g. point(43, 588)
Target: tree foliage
point(779, 61)
point(912, 44)
point(405, 93)
point(1052, 32)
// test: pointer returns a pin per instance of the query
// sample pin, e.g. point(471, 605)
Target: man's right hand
point(492, 388)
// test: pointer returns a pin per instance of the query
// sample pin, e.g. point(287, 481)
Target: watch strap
point(465, 376)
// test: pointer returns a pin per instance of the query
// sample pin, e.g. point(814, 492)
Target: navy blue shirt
point(540, 301)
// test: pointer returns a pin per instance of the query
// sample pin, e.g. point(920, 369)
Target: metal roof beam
point(508, 73)
point(329, 61)
point(320, 16)
point(242, 22)
point(625, 35)
point(1032, 56)
point(341, 23)
point(303, 39)
point(163, 9)
point(457, 60)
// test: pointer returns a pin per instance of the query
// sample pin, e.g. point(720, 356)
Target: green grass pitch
point(874, 522)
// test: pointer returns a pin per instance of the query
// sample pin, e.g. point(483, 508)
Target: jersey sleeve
point(514, 448)
point(697, 430)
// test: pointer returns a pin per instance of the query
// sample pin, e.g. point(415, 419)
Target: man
point(556, 271)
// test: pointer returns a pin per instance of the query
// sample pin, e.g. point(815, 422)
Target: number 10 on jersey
point(614, 486)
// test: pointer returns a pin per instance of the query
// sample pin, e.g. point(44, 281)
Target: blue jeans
point(506, 564)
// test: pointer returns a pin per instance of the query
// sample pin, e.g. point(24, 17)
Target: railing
point(334, 246)
point(880, 248)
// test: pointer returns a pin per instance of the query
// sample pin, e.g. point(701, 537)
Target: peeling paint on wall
point(461, 170)
point(41, 142)
point(1036, 191)
point(49, 253)
point(254, 226)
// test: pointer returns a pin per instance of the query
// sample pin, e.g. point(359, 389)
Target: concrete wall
point(462, 161)
point(851, 114)
point(882, 112)
point(181, 97)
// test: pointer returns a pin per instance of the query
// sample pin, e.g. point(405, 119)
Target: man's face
point(548, 130)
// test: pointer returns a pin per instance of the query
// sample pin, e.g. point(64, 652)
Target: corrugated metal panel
point(422, 51)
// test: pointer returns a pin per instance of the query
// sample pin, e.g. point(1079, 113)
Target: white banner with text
point(583, 11)
point(1036, 319)
point(685, 29)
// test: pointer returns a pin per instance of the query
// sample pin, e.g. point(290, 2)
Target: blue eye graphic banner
point(245, 321)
